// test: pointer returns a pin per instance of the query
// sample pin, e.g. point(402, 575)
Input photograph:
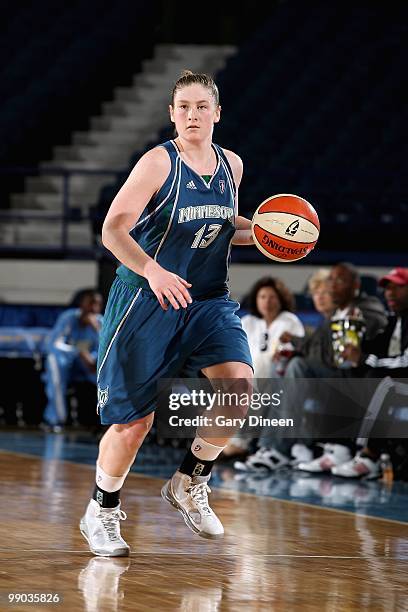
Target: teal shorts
point(141, 343)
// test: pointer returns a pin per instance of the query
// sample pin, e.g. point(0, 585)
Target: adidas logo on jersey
point(191, 185)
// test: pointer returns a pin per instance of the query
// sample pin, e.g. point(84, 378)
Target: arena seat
point(298, 105)
point(74, 54)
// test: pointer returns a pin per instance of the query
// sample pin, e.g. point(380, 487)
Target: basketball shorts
point(141, 343)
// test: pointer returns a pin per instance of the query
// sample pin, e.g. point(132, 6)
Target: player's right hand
point(167, 286)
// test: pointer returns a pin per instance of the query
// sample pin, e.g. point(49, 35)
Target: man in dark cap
point(385, 356)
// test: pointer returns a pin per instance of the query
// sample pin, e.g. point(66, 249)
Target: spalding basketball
point(285, 227)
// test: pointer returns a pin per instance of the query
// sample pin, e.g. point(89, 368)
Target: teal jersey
point(187, 227)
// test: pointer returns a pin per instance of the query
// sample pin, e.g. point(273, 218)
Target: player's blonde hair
point(190, 78)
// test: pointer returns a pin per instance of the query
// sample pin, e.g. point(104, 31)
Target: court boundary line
point(231, 492)
point(188, 553)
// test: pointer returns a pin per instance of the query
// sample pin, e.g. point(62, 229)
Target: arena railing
point(65, 214)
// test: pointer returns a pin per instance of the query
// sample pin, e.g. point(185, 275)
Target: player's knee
point(244, 372)
point(135, 432)
point(242, 389)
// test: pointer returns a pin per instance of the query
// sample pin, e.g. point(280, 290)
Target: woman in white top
point(271, 305)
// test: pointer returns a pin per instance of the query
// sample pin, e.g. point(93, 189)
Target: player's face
point(194, 112)
point(342, 286)
point(322, 299)
point(267, 302)
point(396, 296)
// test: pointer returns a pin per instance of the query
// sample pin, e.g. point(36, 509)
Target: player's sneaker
point(265, 459)
point(190, 497)
point(101, 528)
point(333, 455)
point(358, 467)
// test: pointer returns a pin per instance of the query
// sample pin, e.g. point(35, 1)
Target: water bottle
point(386, 468)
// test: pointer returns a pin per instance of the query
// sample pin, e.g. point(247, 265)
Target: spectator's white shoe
point(333, 455)
point(101, 528)
point(265, 459)
point(190, 497)
point(358, 467)
point(300, 453)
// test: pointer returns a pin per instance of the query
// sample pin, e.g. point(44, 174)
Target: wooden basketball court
point(276, 555)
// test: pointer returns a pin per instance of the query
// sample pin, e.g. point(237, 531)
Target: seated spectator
point(72, 355)
point(320, 289)
point(271, 315)
point(384, 356)
point(271, 306)
point(315, 359)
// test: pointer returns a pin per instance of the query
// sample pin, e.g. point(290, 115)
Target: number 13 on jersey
point(202, 243)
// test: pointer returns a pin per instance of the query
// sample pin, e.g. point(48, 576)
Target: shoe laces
point(110, 522)
point(199, 494)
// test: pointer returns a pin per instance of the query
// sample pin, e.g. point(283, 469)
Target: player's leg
point(188, 488)
point(118, 448)
point(132, 354)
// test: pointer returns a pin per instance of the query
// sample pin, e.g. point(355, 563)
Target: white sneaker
point(190, 497)
point(300, 453)
point(265, 459)
point(101, 528)
point(358, 467)
point(333, 454)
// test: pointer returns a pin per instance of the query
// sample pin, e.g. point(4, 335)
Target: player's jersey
point(187, 227)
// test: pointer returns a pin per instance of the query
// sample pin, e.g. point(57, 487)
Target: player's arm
point(144, 181)
point(243, 234)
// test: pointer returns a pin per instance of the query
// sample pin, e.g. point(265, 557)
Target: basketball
point(285, 227)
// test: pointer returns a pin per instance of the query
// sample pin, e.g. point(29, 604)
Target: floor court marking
point(231, 492)
point(220, 555)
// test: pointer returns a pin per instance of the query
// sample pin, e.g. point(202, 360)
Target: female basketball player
point(168, 314)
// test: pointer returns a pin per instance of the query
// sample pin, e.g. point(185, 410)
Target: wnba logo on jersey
point(103, 396)
point(222, 185)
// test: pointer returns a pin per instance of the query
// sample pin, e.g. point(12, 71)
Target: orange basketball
point(285, 227)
